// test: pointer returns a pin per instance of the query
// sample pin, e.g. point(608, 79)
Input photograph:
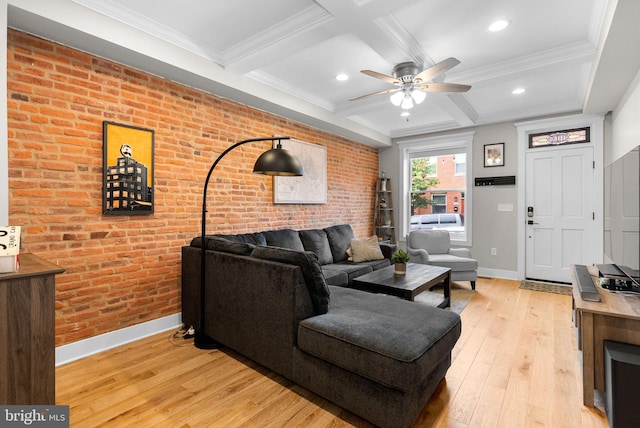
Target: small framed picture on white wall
point(494, 154)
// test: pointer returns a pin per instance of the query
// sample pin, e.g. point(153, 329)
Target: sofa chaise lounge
point(377, 356)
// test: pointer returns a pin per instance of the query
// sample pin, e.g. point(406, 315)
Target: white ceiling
point(286, 53)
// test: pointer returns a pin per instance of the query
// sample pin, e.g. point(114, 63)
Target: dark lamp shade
point(278, 162)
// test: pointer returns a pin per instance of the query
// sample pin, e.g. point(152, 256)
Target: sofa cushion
point(335, 277)
point(455, 263)
point(308, 262)
point(315, 240)
point(377, 264)
point(357, 329)
point(353, 270)
point(285, 238)
point(339, 237)
point(224, 245)
point(248, 238)
point(365, 249)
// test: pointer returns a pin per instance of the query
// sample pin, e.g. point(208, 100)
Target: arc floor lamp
point(276, 161)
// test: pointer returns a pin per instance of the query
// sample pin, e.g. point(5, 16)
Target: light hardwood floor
point(515, 365)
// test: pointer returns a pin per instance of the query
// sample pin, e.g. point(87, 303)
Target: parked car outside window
point(452, 222)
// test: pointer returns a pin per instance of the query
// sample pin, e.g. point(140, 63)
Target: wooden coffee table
point(418, 278)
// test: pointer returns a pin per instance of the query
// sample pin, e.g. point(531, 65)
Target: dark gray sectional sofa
point(282, 298)
point(330, 245)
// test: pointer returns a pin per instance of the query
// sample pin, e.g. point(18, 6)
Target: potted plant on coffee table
point(400, 258)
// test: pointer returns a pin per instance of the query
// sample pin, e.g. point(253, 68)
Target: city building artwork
point(127, 184)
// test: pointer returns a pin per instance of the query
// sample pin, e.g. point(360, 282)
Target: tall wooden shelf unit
point(383, 222)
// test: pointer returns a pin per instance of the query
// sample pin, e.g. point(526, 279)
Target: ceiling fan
point(413, 82)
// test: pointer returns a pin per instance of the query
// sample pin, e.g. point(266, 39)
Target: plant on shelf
point(400, 258)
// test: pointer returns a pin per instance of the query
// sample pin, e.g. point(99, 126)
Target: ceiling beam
point(457, 106)
point(617, 62)
point(101, 36)
point(308, 28)
point(316, 25)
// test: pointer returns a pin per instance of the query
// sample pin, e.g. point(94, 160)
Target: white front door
point(560, 211)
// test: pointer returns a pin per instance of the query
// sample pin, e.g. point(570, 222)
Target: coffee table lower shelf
point(418, 278)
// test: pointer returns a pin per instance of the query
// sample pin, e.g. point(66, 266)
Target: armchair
point(433, 247)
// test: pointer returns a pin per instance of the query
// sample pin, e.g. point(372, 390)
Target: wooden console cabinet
point(27, 333)
point(616, 317)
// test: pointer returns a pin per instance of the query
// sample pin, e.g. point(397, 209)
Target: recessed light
point(518, 91)
point(342, 77)
point(498, 25)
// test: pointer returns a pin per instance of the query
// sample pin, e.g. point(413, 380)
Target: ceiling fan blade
point(444, 87)
point(386, 91)
point(381, 76)
point(435, 70)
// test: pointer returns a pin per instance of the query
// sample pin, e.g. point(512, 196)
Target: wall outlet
point(494, 251)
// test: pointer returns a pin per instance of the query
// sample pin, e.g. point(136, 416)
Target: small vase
point(400, 268)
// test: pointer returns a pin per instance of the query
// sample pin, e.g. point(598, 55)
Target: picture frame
point(493, 155)
point(311, 187)
point(128, 170)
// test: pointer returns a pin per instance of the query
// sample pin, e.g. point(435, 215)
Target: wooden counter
point(27, 332)
point(616, 317)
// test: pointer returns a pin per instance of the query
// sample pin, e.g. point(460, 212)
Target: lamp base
point(202, 341)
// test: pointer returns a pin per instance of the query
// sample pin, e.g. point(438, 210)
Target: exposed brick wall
point(123, 270)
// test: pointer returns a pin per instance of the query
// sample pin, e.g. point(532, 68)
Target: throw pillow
point(365, 249)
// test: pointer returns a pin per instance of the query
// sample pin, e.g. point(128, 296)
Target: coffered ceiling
point(284, 55)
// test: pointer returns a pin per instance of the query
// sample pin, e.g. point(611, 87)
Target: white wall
point(491, 228)
point(502, 229)
point(625, 124)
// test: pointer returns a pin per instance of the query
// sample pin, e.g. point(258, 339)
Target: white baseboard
point(83, 348)
point(497, 273)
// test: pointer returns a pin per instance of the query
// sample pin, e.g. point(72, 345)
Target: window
point(439, 203)
point(461, 163)
point(433, 166)
point(557, 138)
point(435, 179)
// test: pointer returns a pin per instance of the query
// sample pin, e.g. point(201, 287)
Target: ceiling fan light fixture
point(418, 96)
point(411, 82)
point(396, 98)
point(341, 77)
point(405, 113)
point(407, 102)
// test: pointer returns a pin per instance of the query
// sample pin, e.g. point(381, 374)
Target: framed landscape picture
point(127, 170)
point(311, 188)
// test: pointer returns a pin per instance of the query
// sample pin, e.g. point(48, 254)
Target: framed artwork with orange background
point(127, 170)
